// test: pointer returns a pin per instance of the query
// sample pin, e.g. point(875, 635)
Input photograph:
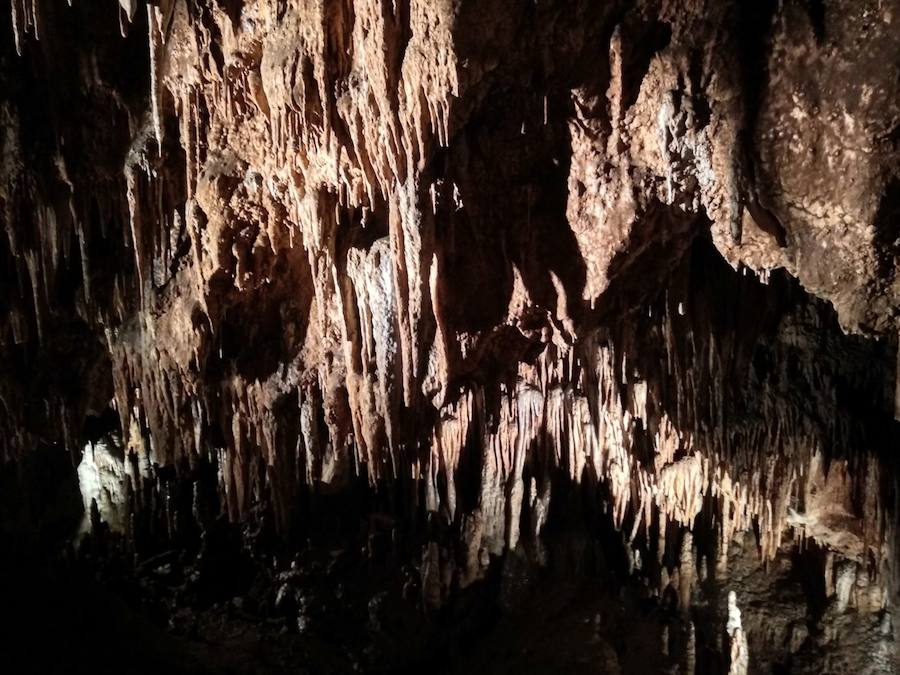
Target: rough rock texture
point(486, 257)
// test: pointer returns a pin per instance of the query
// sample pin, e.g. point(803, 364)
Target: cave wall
point(468, 249)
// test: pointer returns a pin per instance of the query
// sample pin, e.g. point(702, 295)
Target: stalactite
point(17, 21)
point(155, 41)
point(897, 386)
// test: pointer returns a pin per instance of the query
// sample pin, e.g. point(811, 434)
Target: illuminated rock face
point(472, 250)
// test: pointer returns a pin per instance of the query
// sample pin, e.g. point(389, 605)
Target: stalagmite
point(737, 640)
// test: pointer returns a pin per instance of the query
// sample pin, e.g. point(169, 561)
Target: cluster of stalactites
point(572, 410)
point(25, 18)
point(576, 408)
point(552, 423)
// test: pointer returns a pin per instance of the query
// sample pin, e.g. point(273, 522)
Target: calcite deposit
point(498, 265)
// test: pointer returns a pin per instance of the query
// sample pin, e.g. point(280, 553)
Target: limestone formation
point(264, 252)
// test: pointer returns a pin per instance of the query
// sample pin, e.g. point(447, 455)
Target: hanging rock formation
point(479, 255)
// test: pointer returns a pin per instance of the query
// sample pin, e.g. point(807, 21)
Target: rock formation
point(508, 269)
